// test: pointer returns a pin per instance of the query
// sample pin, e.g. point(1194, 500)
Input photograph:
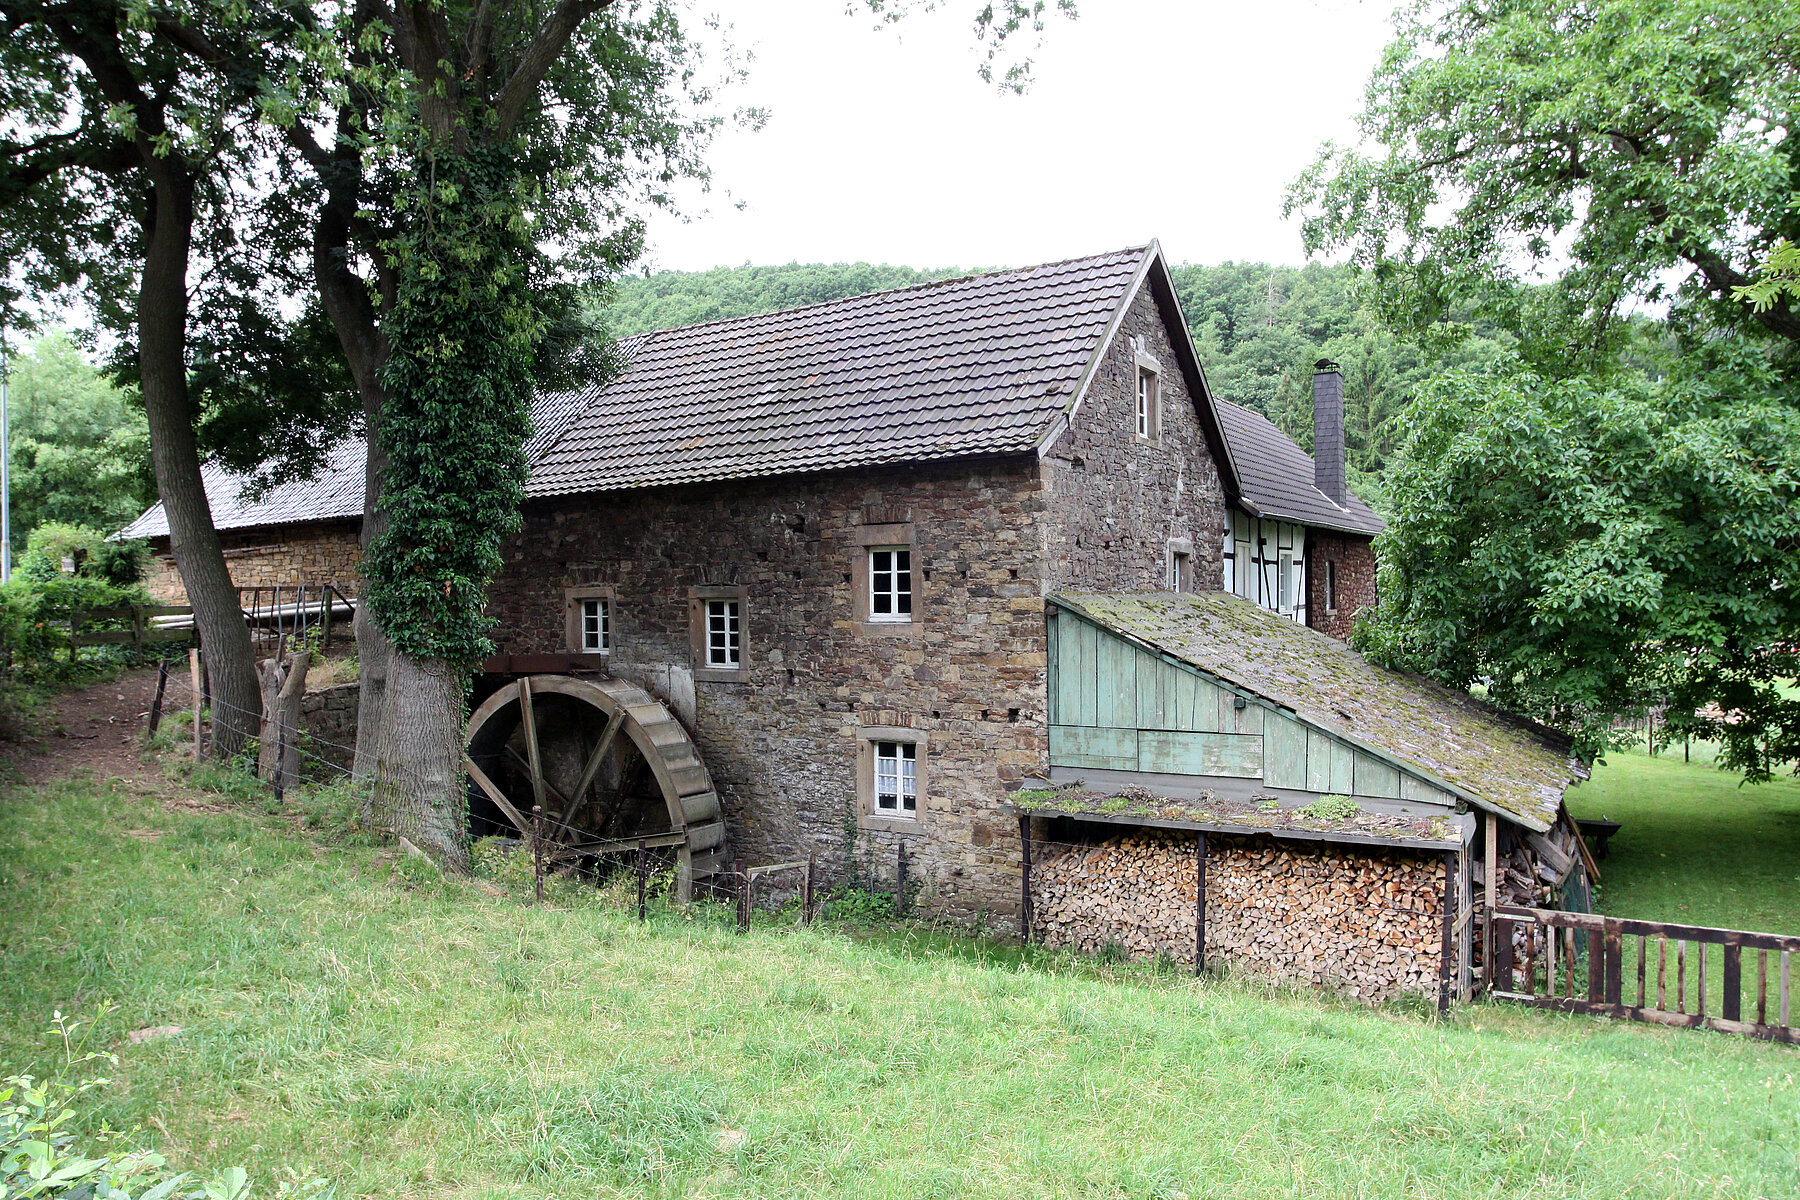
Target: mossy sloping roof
point(1495, 760)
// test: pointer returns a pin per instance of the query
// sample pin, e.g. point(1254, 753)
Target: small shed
point(1334, 812)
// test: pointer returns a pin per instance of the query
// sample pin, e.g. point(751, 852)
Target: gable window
point(890, 583)
point(588, 618)
point(724, 633)
point(596, 626)
point(896, 779)
point(1147, 417)
point(1331, 585)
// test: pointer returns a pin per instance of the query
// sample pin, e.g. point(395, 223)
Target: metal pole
point(900, 880)
point(643, 868)
point(806, 889)
point(1024, 879)
point(537, 849)
point(5, 464)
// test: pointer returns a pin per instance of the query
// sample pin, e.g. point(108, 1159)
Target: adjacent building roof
point(1276, 476)
point(1490, 758)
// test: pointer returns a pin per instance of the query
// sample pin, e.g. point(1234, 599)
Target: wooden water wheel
point(607, 763)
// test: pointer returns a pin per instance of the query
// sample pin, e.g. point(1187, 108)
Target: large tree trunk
point(420, 790)
point(162, 366)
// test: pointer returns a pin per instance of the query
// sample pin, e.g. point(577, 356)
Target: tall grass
point(348, 1012)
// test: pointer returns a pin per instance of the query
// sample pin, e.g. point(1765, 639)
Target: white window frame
point(896, 769)
point(1284, 581)
point(1147, 402)
point(595, 616)
point(900, 567)
point(724, 633)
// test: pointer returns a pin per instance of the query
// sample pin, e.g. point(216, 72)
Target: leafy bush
point(90, 552)
point(36, 607)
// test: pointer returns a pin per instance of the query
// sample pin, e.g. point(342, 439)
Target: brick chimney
point(1328, 432)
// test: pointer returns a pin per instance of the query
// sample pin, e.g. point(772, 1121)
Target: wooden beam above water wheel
point(605, 760)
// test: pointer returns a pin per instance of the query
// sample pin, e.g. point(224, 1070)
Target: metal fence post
point(1024, 879)
point(162, 684)
point(1200, 905)
point(743, 894)
point(537, 849)
point(806, 889)
point(643, 868)
point(900, 880)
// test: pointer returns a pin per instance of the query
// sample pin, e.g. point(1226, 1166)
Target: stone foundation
point(328, 718)
point(1366, 923)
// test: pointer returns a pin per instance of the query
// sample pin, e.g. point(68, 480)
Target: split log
point(283, 686)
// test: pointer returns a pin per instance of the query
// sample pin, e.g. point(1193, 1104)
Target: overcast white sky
point(1148, 118)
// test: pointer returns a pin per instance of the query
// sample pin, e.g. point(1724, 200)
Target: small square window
point(1147, 417)
point(890, 584)
point(897, 778)
point(724, 631)
point(596, 626)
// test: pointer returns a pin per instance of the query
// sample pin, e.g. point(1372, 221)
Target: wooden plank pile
point(1534, 867)
point(1366, 923)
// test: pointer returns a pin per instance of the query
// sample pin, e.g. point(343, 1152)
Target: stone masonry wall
point(284, 556)
point(1355, 558)
point(1364, 922)
point(1114, 501)
point(782, 744)
point(328, 717)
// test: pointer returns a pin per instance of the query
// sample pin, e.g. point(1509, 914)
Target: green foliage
point(1617, 139)
point(80, 445)
point(465, 332)
point(1587, 550)
point(640, 303)
point(1778, 279)
point(92, 554)
point(1329, 808)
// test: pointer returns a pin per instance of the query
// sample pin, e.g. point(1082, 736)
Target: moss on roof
point(1343, 821)
point(1494, 759)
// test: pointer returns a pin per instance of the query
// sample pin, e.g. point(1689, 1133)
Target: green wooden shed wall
point(1117, 705)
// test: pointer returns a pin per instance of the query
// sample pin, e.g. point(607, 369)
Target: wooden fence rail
point(1589, 963)
point(127, 625)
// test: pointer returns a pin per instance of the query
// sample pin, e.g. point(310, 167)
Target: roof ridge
point(910, 287)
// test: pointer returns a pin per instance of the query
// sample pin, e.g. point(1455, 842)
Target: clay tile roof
point(1276, 476)
point(1493, 759)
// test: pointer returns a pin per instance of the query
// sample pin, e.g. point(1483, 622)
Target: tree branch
point(1722, 277)
point(543, 52)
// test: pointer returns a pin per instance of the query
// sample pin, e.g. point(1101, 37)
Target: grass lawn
point(1695, 848)
point(351, 1014)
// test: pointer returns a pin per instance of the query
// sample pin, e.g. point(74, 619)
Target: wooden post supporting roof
point(1447, 964)
point(1200, 904)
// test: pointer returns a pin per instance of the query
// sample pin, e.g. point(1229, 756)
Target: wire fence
point(556, 849)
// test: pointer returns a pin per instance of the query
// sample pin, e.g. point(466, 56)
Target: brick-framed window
point(588, 619)
point(886, 580)
point(718, 630)
point(890, 778)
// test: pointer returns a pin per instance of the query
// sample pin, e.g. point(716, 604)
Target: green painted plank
point(1318, 761)
point(1239, 756)
point(1053, 668)
point(1414, 788)
point(1088, 654)
point(1284, 752)
point(1248, 719)
point(1343, 769)
point(1206, 707)
point(1148, 692)
point(1082, 746)
point(1118, 684)
point(1171, 682)
point(1376, 778)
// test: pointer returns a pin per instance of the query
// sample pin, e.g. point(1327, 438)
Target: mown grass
point(1695, 847)
point(352, 1014)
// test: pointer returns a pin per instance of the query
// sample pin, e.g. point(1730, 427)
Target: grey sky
point(1148, 118)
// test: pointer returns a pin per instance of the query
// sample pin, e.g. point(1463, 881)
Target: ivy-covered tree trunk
point(464, 330)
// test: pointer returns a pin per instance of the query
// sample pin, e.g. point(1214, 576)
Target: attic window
point(1148, 418)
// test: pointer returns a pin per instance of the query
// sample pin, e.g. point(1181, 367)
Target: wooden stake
point(900, 880)
point(1024, 879)
point(1490, 887)
point(537, 849)
point(743, 894)
point(162, 684)
point(806, 888)
point(1200, 905)
point(643, 871)
point(194, 690)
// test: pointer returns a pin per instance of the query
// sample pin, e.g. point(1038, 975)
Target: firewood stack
point(1532, 874)
point(1365, 922)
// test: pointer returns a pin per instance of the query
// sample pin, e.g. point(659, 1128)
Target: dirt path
point(98, 728)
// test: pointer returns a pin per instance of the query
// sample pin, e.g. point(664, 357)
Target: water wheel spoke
point(541, 787)
point(528, 718)
point(594, 761)
point(497, 796)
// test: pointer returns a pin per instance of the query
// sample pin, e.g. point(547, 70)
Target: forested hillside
point(1259, 330)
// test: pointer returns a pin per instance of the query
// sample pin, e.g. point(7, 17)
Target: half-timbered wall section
point(1118, 707)
point(1265, 562)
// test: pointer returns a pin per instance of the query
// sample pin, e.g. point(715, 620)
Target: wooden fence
point(1589, 963)
point(128, 625)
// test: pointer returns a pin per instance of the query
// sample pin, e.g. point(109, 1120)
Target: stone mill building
point(843, 547)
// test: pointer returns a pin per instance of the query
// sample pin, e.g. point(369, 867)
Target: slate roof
point(977, 365)
point(1276, 476)
point(983, 364)
point(1490, 758)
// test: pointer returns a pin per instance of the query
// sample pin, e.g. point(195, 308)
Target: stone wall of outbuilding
point(286, 556)
point(1362, 922)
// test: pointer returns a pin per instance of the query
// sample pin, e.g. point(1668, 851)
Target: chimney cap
point(1324, 365)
